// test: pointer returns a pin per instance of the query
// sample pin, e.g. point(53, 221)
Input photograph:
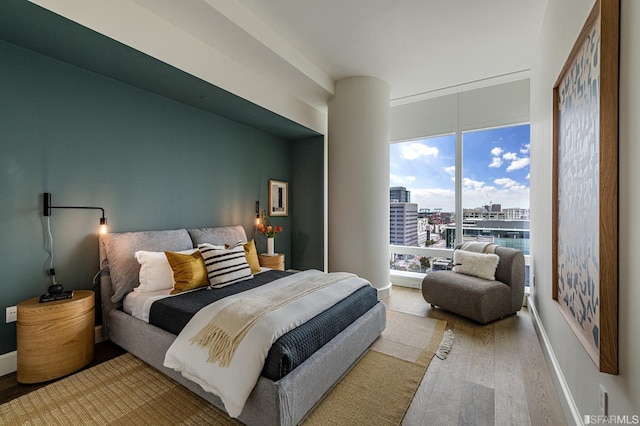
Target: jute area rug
point(126, 391)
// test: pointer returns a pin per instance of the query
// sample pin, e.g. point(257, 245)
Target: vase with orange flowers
point(269, 231)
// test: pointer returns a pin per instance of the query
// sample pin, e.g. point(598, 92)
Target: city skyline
point(495, 169)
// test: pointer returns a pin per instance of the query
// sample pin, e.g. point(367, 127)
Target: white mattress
point(138, 304)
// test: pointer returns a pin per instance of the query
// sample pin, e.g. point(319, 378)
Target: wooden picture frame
point(585, 187)
point(278, 198)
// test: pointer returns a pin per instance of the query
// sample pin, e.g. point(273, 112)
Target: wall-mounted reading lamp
point(260, 214)
point(56, 291)
point(48, 207)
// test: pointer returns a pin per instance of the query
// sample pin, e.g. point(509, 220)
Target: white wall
point(562, 23)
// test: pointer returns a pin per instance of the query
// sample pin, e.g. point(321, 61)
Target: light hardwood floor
point(495, 374)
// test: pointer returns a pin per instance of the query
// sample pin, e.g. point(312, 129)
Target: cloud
point(519, 163)
point(470, 183)
point(510, 184)
point(433, 198)
point(506, 182)
point(516, 163)
point(450, 170)
point(510, 156)
point(416, 150)
point(496, 162)
point(514, 196)
point(525, 149)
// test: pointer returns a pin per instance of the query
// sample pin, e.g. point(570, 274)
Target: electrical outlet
point(12, 314)
point(603, 401)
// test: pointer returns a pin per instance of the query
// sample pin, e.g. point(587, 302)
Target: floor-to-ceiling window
point(422, 177)
point(493, 186)
point(462, 160)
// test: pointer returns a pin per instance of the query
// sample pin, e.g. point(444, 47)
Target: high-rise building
point(403, 224)
point(517, 214)
point(399, 194)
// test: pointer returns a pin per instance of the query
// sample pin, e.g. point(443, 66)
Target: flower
point(268, 230)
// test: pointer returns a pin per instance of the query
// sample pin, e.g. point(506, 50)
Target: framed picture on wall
point(585, 187)
point(278, 198)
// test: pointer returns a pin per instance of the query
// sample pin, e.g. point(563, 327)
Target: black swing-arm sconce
point(56, 291)
point(48, 207)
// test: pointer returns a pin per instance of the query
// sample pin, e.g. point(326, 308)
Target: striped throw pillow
point(225, 266)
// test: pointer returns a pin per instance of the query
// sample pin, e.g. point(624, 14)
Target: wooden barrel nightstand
point(55, 338)
point(275, 261)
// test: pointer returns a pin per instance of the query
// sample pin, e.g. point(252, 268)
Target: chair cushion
point(477, 264)
point(476, 298)
point(472, 297)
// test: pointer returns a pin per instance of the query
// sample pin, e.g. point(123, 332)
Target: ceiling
point(417, 46)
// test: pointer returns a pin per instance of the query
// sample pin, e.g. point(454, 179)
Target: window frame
point(409, 278)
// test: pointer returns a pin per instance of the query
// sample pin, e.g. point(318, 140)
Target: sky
point(495, 169)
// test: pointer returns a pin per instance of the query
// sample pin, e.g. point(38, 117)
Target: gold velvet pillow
point(189, 271)
point(252, 256)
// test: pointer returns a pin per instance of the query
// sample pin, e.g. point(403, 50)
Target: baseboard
point(9, 361)
point(406, 279)
point(569, 407)
point(384, 292)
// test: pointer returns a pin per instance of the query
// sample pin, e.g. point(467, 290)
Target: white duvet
point(234, 384)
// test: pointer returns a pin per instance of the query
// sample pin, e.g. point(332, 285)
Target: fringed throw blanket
point(227, 329)
point(242, 338)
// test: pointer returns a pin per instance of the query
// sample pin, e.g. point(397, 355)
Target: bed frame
point(284, 402)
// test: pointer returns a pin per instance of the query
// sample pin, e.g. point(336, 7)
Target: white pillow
point(477, 264)
point(155, 272)
point(225, 266)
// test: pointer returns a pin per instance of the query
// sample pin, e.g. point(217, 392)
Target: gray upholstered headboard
point(120, 269)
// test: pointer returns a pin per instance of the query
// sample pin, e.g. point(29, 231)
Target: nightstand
point(55, 338)
point(275, 261)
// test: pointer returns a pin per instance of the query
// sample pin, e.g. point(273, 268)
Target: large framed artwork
point(278, 198)
point(585, 187)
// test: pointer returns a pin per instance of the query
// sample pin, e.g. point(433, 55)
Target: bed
point(279, 397)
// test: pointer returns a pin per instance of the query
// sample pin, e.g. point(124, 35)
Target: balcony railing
point(414, 279)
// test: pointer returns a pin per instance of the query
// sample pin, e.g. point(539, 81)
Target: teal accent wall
point(307, 203)
point(151, 162)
